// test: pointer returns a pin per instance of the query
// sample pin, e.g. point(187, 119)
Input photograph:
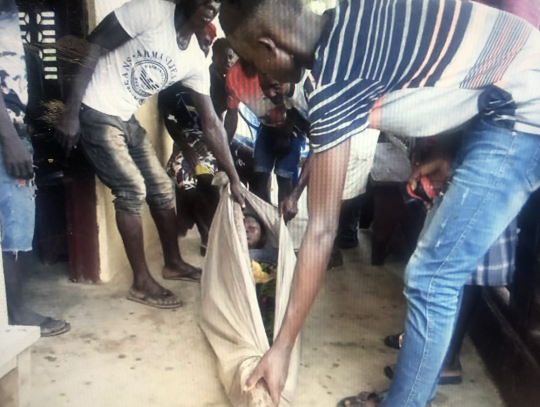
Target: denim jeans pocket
point(533, 172)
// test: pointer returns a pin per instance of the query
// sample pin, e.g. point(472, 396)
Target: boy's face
point(224, 60)
point(269, 58)
point(253, 232)
point(272, 89)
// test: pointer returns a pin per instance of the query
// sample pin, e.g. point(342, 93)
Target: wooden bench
point(15, 342)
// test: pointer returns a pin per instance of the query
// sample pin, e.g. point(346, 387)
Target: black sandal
point(54, 327)
point(393, 341)
point(361, 400)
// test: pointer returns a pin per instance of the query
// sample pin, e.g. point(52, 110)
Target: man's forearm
point(307, 282)
point(327, 180)
point(7, 131)
point(17, 159)
point(303, 180)
point(218, 144)
point(215, 136)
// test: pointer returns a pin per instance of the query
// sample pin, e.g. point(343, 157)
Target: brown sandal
point(165, 301)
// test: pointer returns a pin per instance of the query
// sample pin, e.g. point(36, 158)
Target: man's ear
point(268, 43)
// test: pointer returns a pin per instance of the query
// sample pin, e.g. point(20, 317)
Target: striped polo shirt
point(422, 67)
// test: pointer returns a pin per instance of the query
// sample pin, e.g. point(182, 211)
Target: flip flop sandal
point(152, 300)
point(393, 341)
point(443, 380)
point(361, 400)
point(57, 330)
point(194, 277)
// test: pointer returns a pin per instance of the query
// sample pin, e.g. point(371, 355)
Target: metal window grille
point(38, 28)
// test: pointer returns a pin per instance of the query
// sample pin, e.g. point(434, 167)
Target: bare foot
point(182, 271)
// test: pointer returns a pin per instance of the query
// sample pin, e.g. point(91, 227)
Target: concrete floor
point(120, 353)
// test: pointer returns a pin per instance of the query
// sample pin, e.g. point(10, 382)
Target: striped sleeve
point(339, 111)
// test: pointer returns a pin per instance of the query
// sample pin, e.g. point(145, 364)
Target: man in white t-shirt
point(138, 50)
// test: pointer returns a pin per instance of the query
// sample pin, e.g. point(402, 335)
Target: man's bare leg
point(144, 286)
point(260, 185)
point(285, 187)
point(175, 267)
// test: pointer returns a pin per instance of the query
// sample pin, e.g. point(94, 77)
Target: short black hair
point(220, 45)
point(237, 14)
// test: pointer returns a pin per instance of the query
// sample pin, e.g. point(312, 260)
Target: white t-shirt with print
point(150, 62)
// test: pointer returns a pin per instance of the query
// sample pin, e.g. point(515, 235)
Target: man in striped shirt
point(413, 68)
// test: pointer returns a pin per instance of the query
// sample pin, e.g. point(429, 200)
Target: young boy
point(138, 50)
point(412, 68)
point(223, 59)
point(278, 146)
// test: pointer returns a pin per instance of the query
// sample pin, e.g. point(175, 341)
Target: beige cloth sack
point(231, 319)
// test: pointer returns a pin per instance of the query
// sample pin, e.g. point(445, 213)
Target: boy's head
point(255, 233)
point(223, 56)
point(206, 37)
point(273, 90)
point(266, 34)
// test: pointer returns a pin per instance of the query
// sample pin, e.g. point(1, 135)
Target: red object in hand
point(424, 190)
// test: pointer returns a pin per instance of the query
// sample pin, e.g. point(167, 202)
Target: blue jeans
point(125, 161)
point(267, 158)
point(498, 169)
point(17, 207)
